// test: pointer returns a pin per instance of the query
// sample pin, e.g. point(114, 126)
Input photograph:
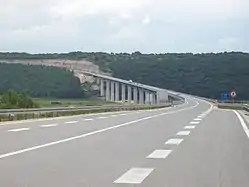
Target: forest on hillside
point(205, 75)
point(39, 81)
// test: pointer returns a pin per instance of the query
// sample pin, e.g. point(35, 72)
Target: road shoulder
point(245, 116)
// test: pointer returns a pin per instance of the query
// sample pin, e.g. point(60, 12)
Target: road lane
point(38, 135)
point(215, 154)
point(96, 160)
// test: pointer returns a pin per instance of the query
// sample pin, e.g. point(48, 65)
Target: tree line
point(40, 81)
point(206, 75)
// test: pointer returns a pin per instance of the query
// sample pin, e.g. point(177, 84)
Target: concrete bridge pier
point(107, 96)
point(116, 91)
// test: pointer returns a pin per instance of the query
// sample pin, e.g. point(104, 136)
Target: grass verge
point(55, 102)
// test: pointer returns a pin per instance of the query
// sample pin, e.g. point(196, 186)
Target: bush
point(13, 99)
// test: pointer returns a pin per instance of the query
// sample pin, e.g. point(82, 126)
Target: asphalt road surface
point(190, 145)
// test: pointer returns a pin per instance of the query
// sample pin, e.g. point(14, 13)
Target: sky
point(148, 26)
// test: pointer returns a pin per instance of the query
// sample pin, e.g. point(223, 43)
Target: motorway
point(189, 145)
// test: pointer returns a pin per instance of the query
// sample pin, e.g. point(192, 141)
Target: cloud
point(124, 25)
point(146, 20)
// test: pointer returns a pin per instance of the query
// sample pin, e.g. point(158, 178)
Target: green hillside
point(39, 81)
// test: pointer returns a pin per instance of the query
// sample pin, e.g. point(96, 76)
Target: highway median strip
point(25, 114)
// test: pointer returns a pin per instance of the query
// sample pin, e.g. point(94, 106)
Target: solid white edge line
point(242, 122)
point(92, 133)
point(134, 176)
point(18, 130)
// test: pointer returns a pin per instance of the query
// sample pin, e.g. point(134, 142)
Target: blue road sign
point(225, 96)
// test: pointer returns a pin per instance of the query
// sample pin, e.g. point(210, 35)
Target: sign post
point(233, 95)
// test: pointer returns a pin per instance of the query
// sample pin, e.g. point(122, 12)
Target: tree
point(40, 81)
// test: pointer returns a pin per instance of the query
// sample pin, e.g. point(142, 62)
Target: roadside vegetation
point(40, 81)
point(14, 100)
point(59, 102)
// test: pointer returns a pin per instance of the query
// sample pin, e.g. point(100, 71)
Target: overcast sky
point(124, 25)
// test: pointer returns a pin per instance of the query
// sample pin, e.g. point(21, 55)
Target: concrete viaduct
point(116, 90)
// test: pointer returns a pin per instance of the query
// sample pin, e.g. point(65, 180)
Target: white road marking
point(50, 125)
point(189, 127)
point(197, 119)
point(55, 118)
point(194, 122)
point(159, 154)
point(201, 116)
point(174, 141)
point(243, 123)
point(88, 119)
point(113, 115)
point(123, 114)
point(134, 176)
point(70, 122)
point(92, 133)
point(183, 133)
point(18, 130)
point(102, 117)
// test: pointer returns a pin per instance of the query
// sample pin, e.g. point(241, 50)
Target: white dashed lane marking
point(189, 127)
point(183, 133)
point(194, 122)
point(88, 119)
point(50, 125)
point(197, 119)
point(134, 176)
point(70, 122)
point(102, 117)
point(113, 115)
point(159, 154)
point(175, 141)
point(18, 130)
